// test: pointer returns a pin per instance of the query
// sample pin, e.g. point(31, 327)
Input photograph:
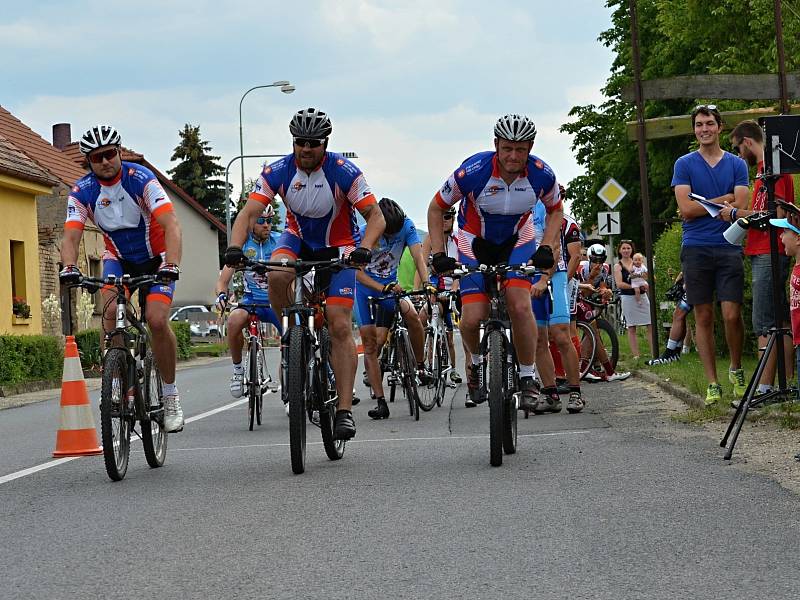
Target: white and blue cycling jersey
point(386, 256)
point(256, 286)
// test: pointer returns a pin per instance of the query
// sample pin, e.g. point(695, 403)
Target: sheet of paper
point(711, 208)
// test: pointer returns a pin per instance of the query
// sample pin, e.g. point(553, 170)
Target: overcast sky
point(413, 87)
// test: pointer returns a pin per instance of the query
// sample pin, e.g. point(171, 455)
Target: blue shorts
point(383, 311)
point(473, 286)
point(555, 310)
point(265, 315)
point(339, 286)
point(158, 292)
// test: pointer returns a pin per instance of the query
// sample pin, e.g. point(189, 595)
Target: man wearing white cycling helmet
point(259, 246)
point(142, 236)
point(498, 191)
point(321, 191)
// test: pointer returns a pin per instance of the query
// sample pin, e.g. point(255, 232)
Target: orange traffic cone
point(76, 434)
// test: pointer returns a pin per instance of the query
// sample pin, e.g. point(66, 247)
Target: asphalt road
point(592, 506)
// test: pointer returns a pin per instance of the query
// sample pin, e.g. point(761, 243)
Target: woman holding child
point(631, 278)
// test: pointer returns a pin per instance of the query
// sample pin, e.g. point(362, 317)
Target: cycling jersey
point(603, 276)
point(570, 233)
point(256, 286)
point(124, 209)
point(386, 256)
point(320, 206)
point(490, 208)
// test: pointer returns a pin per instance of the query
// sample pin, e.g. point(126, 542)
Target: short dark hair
point(709, 110)
point(749, 129)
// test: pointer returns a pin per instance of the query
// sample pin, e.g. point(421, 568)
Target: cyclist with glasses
point(380, 277)
point(261, 241)
point(321, 191)
point(498, 190)
point(142, 236)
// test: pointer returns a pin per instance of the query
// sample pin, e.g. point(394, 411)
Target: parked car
point(202, 320)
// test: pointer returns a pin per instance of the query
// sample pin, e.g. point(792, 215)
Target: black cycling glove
point(442, 263)
point(543, 257)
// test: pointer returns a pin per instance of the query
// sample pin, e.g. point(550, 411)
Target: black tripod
point(775, 128)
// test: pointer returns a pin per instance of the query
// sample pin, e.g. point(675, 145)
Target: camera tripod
point(774, 129)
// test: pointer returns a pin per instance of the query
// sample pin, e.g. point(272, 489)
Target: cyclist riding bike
point(596, 279)
point(497, 191)
point(142, 237)
point(380, 277)
point(321, 191)
point(261, 241)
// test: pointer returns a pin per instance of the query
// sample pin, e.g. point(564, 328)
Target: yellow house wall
point(18, 207)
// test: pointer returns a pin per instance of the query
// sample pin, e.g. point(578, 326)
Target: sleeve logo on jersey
point(267, 170)
point(538, 164)
point(71, 210)
point(131, 171)
point(447, 188)
point(76, 189)
point(340, 162)
point(461, 173)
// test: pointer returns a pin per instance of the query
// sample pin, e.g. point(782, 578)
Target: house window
point(96, 270)
point(18, 284)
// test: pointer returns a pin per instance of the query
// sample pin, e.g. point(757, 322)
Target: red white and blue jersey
point(491, 209)
point(124, 209)
point(570, 233)
point(321, 205)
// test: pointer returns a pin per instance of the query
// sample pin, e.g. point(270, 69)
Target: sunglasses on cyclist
point(447, 216)
point(311, 142)
point(262, 220)
point(108, 155)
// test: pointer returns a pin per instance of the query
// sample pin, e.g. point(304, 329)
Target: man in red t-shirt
point(748, 139)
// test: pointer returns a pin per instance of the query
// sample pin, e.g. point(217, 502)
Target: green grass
point(218, 349)
point(688, 373)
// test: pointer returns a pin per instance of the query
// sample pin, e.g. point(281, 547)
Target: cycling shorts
point(555, 310)
point(473, 286)
point(158, 292)
point(264, 314)
point(382, 313)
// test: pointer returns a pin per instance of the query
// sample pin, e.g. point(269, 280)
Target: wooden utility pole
point(781, 58)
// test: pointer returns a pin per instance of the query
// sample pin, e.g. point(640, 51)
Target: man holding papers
point(710, 264)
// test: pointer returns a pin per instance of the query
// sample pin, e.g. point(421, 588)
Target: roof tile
point(15, 163)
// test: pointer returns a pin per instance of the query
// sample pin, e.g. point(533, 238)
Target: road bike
point(399, 360)
point(437, 353)
point(499, 371)
point(131, 385)
point(307, 382)
point(590, 310)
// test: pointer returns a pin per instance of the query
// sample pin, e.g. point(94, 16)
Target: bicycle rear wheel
point(427, 392)
point(610, 340)
point(296, 392)
point(154, 437)
point(586, 358)
point(333, 448)
point(443, 352)
point(254, 384)
point(116, 415)
point(408, 373)
point(495, 364)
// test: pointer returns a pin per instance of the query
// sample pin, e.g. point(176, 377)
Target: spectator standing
point(633, 293)
point(711, 266)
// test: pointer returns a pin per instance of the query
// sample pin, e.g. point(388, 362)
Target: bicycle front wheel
point(116, 415)
point(254, 389)
point(588, 343)
point(154, 437)
point(427, 391)
point(495, 364)
point(296, 393)
point(408, 373)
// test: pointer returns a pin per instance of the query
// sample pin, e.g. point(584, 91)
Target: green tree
point(197, 170)
point(676, 37)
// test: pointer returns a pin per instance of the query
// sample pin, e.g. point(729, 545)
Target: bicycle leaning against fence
point(130, 390)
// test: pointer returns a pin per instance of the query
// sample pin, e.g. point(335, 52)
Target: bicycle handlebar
point(396, 296)
point(121, 283)
point(502, 269)
point(262, 266)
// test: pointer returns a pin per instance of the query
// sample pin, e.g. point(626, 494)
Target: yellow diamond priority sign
point(611, 193)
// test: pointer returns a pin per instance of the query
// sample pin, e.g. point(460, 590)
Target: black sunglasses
point(311, 142)
point(98, 157)
point(447, 216)
point(262, 220)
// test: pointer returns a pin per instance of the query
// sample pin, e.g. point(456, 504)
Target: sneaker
point(315, 417)
point(575, 403)
point(548, 403)
point(593, 377)
point(469, 402)
point(286, 408)
point(424, 376)
point(618, 376)
point(713, 394)
point(474, 384)
point(173, 413)
point(344, 427)
point(379, 412)
point(365, 380)
point(529, 396)
point(736, 378)
point(237, 385)
point(666, 357)
point(455, 377)
point(356, 399)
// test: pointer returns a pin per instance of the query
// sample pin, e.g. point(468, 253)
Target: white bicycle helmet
point(97, 136)
point(597, 253)
point(515, 128)
point(310, 123)
point(269, 211)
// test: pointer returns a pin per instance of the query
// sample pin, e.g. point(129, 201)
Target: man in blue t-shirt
point(709, 263)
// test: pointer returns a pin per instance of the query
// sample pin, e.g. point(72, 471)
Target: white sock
point(169, 389)
point(763, 388)
point(477, 359)
point(526, 371)
point(237, 368)
point(673, 344)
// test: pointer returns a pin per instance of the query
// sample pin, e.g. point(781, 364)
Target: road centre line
point(61, 461)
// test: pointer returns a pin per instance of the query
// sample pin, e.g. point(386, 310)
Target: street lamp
point(286, 88)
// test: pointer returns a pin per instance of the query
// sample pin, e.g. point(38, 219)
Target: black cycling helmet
point(310, 123)
point(393, 215)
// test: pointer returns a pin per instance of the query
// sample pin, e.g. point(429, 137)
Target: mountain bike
point(307, 382)
point(499, 372)
point(130, 391)
point(590, 310)
point(399, 360)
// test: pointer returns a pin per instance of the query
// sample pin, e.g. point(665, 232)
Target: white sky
point(413, 87)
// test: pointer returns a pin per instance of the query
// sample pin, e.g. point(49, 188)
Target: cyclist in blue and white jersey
point(498, 190)
point(259, 246)
point(142, 237)
point(380, 277)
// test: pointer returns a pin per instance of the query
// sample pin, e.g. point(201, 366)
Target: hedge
point(667, 264)
point(30, 358)
point(184, 336)
point(90, 343)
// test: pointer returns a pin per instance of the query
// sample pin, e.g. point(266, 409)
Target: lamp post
point(286, 88)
